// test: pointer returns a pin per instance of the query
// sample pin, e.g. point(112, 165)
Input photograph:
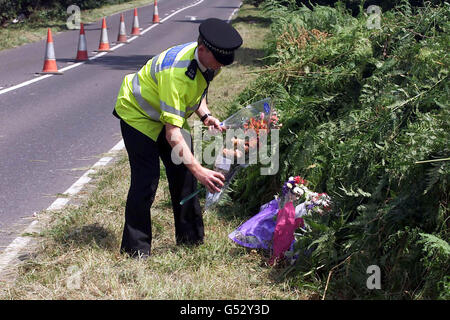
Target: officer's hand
point(213, 124)
point(212, 180)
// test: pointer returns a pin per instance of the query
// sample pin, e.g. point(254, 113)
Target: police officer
point(153, 106)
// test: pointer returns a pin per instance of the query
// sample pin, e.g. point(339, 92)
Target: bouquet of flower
point(254, 110)
point(274, 226)
point(252, 120)
point(297, 200)
point(296, 190)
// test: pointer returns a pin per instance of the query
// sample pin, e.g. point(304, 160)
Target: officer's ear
point(201, 46)
point(202, 50)
point(200, 40)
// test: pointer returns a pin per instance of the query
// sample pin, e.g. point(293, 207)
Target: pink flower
point(299, 180)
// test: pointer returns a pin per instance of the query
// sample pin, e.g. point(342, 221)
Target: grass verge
point(78, 256)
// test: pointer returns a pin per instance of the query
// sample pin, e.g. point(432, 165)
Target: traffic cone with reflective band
point(122, 37)
point(155, 13)
point(50, 60)
point(104, 42)
point(82, 54)
point(135, 31)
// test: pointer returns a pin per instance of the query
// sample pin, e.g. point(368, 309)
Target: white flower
point(298, 191)
point(289, 185)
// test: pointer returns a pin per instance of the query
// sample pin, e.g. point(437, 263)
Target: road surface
point(53, 130)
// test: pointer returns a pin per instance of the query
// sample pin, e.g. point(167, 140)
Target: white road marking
point(14, 248)
point(26, 83)
point(182, 9)
point(232, 14)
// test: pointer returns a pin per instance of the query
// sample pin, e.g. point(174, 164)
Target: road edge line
point(28, 82)
point(15, 247)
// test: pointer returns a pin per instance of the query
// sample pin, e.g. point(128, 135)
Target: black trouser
point(144, 154)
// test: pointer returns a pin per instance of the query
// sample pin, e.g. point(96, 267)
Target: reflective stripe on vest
point(153, 68)
point(157, 68)
point(154, 114)
point(170, 61)
point(193, 108)
point(165, 107)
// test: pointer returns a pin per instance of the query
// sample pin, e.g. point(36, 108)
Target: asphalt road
point(53, 130)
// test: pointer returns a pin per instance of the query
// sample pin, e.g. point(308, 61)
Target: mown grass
point(82, 241)
point(35, 28)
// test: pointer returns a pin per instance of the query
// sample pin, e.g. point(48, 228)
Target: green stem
point(189, 197)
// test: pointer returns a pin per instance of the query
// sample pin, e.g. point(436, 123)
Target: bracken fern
point(366, 119)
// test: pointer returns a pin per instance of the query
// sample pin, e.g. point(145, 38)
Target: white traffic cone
point(155, 13)
point(104, 42)
point(122, 37)
point(50, 66)
point(135, 31)
point(82, 54)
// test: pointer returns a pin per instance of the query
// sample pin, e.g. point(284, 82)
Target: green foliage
point(36, 10)
point(361, 111)
point(354, 6)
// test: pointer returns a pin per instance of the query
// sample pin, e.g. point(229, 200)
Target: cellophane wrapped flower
point(295, 190)
point(275, 226)
point(318, 203)
point(296, 201)
point(258, 117)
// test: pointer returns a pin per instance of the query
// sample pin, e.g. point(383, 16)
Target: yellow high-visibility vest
point(161, 92)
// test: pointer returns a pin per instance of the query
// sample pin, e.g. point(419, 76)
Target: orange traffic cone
point(122, 37)
point(50, 60)
point(155, 13)
point(104, 42)
point(135, 31)
point(82, 54)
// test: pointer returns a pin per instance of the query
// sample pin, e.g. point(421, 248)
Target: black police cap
point(221, 39)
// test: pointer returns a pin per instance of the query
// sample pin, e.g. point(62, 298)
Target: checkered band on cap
point(212, 48)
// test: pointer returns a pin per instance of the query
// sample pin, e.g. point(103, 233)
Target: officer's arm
point(209, 121)
point(203, 109)
point(212, 180)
